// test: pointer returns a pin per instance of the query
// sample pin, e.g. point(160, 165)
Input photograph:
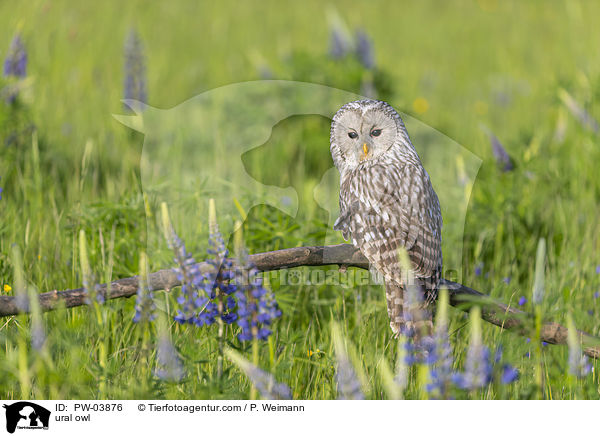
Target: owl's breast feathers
point(388, 204)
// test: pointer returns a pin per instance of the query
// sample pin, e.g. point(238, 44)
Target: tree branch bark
point(462, 297)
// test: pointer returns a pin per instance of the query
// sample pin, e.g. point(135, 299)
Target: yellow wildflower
point(420, 105)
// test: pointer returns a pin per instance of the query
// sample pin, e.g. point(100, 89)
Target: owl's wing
point(397, 207)
point(343, 222)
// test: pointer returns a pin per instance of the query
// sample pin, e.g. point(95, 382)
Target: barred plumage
point(387, 202)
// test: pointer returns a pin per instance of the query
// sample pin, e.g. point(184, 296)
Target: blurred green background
point(527, 71)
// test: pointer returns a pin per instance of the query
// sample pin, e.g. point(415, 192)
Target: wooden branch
point(345, 255)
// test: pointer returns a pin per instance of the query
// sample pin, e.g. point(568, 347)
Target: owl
point(387, 202)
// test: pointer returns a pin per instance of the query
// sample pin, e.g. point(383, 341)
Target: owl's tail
point(407, 317)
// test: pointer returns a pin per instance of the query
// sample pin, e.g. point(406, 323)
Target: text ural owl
point(387, 202)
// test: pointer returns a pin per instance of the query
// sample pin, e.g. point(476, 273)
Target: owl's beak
point(365, 149)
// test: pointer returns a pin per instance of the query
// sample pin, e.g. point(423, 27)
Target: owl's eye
point(376, 132)
point(352, 135)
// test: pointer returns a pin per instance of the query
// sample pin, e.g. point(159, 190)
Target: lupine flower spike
point(135, 69)
point(257, 308)
point(340, 43)
point(266, 384)
point(502, 158)
point(348, 383)
point(198, 300)
point(219, 283)
point(364, 50)
point(15, 63)
point(578, 363)
point(478, 366)
point(508, 373)
point(583, 116)
point(441, 356)
point(144, 305)
point(187, 271)
point(169, 367)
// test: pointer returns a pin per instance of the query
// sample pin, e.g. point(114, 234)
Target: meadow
point(75, 207)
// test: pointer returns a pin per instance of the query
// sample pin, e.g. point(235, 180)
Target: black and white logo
point(26, 415)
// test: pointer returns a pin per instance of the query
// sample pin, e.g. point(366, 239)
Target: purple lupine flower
point(419, 349)
point(218, 284)
point(267, 386)
point(257, 307)
point(506, 280)
point(479, 269)
point(364, 50)
point(478, 366)
point(509, 374)
point(578, 363)
point(189, 275)
point(339, 43)
point(169, 367)
point(38, 336)
point(15, 63)
point(522, 301)
point(598, 269)
point(441, 360)
point(204, 296)
point(348, 384)
point(144, 303)
point(596, 294)
point(264, 381)
point(135, 69)
point(401, 375)
point(500, 154)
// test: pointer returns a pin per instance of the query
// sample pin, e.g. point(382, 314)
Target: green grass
point(73, 167)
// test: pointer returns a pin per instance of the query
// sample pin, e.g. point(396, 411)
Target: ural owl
point(387, 202)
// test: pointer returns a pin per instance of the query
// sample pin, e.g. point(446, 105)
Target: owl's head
point(365, 130)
